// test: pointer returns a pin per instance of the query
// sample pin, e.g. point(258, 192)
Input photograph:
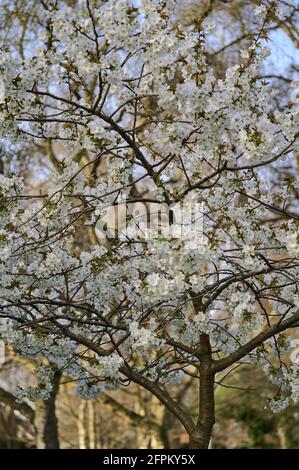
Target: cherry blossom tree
point(124, 83)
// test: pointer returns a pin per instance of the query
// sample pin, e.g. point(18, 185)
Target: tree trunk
point(91, 425)
point(283, 444)
point(164, 429)
point(200, 437)
point(81, 425)
point(46, 420)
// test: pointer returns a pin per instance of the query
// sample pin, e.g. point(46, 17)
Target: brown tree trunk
point(200, 437)
point(46, 420)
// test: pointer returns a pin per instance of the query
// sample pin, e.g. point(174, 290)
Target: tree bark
point(201, 435)
point(45, 418)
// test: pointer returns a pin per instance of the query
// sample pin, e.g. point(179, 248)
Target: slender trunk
point(45, 418)
point(91, 425)
point(200, 437)
point(283, 444)
point(81, 425)
point(164, 429)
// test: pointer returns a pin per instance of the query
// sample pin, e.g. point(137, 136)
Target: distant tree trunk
point(201, 435)
point(165, 427)
point(143, 437)
point(91, 425)
point(81, 425)
point(45, 418)
point(282, 437)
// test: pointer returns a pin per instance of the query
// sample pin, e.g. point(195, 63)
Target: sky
point(284, 53)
